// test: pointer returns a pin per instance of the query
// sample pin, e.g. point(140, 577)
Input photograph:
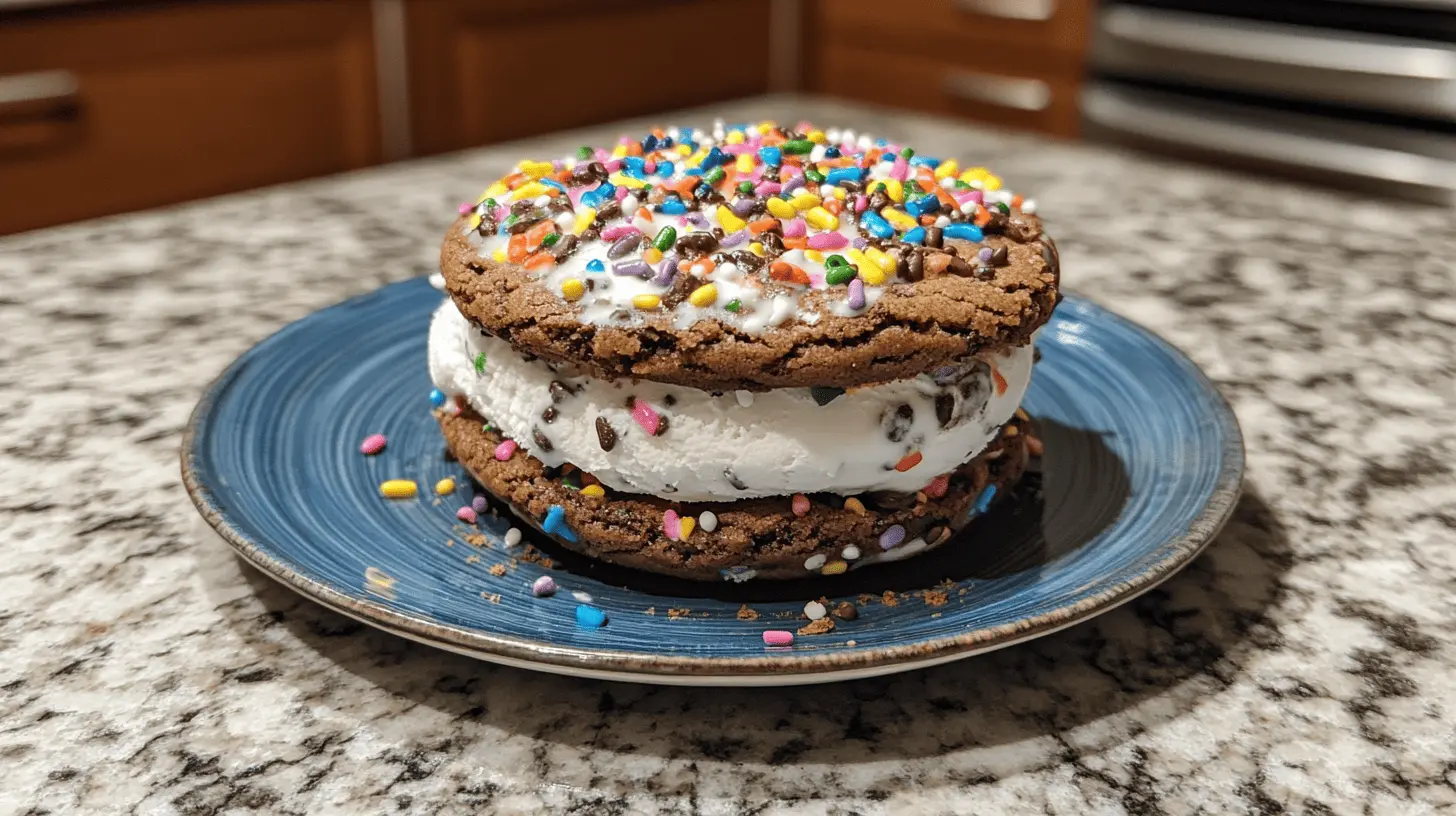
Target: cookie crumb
point(674, 614)
point(889, 599)
point(651, 610)
point(474, 559)
point(747, 613)
point(490, 596)
point(477, 540)
point(818, 627)
point(934, 597)
point(497, 570)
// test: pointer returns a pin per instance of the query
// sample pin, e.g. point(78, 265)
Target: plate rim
point(804, 664)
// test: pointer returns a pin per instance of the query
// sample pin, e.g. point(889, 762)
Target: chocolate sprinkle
point(549, 415)
point(733, 480)
point(606, 437)
point(542, 443)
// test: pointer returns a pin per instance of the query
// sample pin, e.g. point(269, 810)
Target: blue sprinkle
point(555, 523)
point(965, 232)
point(914, 236)
point(649, 143)
point(693, 171)
point(922, 205)
point(599, 196)
point(840, 175)
point(771, 156)
point(550, 182)
point(665, 168)
point(596, 265)
point(875, 225)
point(882, 143)
point(666, 142)
point(831, 152)
point(925, 161)
point(983, 501)
point(589, 617)
point(634, 166)
point(437, 398)
point(714, 158)
point(672, 206)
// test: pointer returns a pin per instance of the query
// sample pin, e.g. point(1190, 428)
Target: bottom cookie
point(776, 538)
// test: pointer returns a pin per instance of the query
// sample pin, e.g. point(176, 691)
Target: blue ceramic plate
point(1142, 467)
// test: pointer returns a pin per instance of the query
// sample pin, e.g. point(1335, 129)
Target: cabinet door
point(112, 108)
point(485, 71)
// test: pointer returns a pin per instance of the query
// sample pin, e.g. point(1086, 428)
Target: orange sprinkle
point(834, 206)
point(643, 213)
point(1000, 381)
point(1016, 201)
point(983, 217)
point(634, 149)
point(796, 243)
point(701, 266)
point(785, 271)
point(910, 461)
point(772, 139)
point(540, 260)
point(927, 220)
point(516, 248)
point(685, 186)
point(762, 225)
point(515, 179)
point(535, 235)
point(945, 199)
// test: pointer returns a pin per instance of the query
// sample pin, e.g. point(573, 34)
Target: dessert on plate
point(761, 351)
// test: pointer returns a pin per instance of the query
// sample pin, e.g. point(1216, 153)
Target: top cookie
point(753, 257)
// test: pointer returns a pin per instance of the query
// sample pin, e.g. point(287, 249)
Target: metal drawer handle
point(1036, 10)
point(39, 90)
point(1008, 92)
point(1278, 44)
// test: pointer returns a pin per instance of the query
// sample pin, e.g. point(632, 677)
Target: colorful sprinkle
point(854, 506)
point(572, 289)
point(478, 504)
point(799, 504)
point(543, 587)
point(704, 296)
point(671, 525)
point(778, 637)
point(437, 398)
point(398, 489)
point(892, 537)
point(445, 486)
point(466, 514)
point(708, 521)
point(909, 461)
point(590, 617)
point(372, 444)
point(834, 568)
point(983, 501)
point(593, 490)
point(643, 415)
point(815, 561)
point(938, 486)
point(555, 523)
point(504, 450)
point(512, 537)
point(646, 302)
point(850, 553)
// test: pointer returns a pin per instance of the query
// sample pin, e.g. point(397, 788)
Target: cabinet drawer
point(486, 71)
point(106, 109)
point(1045, 25)
point(1005, 89)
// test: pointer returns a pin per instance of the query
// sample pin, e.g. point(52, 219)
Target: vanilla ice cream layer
point(721, 447)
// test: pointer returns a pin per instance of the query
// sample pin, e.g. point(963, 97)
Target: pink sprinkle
point(500, 212)
point(860, 203)
point(816, 280)
point(827, 240)
point(649, 166)
point(672, 525)
point(504, 450)
point(736, 150)
point(795, 228)
point(646, 417)
point(792, 170)
point(466, 514)
point(372, 444)
point(621, 193)
point(612, 233)
point(465, 207)
point(974, 195)
point(624, 141)
point(800, 504)
point(804, 126)
point(602, 154)
point(543, 587)
point(778, 637)
point(900, 170)
point(938, 486)
point(613, 166)
point(768, 188)
point(558, 165)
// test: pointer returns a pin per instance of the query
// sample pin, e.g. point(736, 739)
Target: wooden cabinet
point(489, 70)
point(1011, 62)
point(118, 107)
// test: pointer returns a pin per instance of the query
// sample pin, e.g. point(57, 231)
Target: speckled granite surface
point(1304, 664)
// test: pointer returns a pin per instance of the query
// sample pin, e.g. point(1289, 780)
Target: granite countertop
point(1303, 664)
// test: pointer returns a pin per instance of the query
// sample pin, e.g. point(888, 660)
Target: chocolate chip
point(944, 409)
point(608, 211)
point(522, 207)
point(606, 437)
point(934, 237)
point(661, 425)
point(696, 244)
point(565, 248)
point(846, 611)
point(526, 221)
point(914, 266)
point(1000, 257)
point(669, 400)
point(733, 480)
point(542, 443)
point(878, 200)
point(560, 391)
point(773, 244)
point(549, 415)
point(825, 394)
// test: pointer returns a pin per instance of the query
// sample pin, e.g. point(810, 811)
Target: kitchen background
point(118, 106)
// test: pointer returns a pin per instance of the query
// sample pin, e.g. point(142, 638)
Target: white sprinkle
point(968, 208)
point(630, 204)
point(542, 200)
point(1029, 206)
point(707, 522)
point(832, 135)
point(814, 562)
point(565, 220)
point(942, 222)
point(849, 553)
point(815, 610)
point(745, 398)
point(513, 537)
point(437, 280)
point(581, 596)
point(948, 182)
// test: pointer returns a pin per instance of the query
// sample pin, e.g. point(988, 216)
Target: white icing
point(773, 444)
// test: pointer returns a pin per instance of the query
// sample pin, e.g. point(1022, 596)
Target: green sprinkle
point(1005, 210)
point(838, 275)
point(745, 187)
point(877, 187)
point(665, 239)
point(584, 152)
point(715, 175)
point(907, 154)
point(814, 175)
point(836, 260)
point(480, 364)
point(490, 203)
point(551, 239)
point(733, 305)
point(510, 219)
point(797, 147)
point(961, 185)
point(487, 427)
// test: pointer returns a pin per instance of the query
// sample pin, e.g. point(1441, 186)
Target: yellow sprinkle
point(854, 506)
point(765, 126)
point(894, 189)
point(880, 259)
point(814, 255)
point(728, 221)
point(646, 301)
point(619, 151)
point(834, 568)
point(756, 248)
point(947, 169)
point(593, 490)
point(856, 257)
point(473, 222)
point(536, 169)
point(584, 219)
point(781, 208)
point(898, 219)
point(820, 218)
point(684, 150)
point(871, 275)
point(805, 201)
point(398, 489)
point(445, 486)
point(697, 158)
point(817, 137)
point(630, 183)
point(704, 296)
point(499, 256)
point(530, 189)
point(652, 255)
point(993, 183)
point(734, 137)
point(495, 191)
point(572, 289)
point(744, 162)
point(687, 525)
point(839, 193)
